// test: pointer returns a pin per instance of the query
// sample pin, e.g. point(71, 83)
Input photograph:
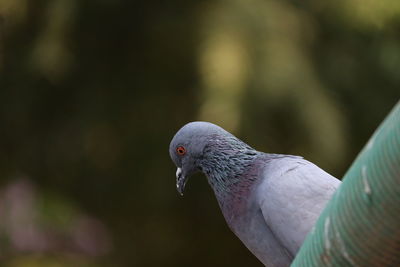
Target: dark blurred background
point(91, 93)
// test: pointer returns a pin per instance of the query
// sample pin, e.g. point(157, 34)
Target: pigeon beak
point(180, 181)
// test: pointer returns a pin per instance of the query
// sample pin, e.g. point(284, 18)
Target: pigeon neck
point(226, 162)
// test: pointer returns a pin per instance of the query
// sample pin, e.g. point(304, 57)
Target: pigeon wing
point(291, 197)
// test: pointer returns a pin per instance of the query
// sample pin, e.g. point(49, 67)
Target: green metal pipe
point(360, 226)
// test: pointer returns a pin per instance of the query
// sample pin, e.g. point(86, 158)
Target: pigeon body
point(269, 201)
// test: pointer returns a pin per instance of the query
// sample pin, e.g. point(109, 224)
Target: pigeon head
point(187, 146)
point(203, 146)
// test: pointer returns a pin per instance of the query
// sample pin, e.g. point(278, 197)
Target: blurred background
point(91, 93)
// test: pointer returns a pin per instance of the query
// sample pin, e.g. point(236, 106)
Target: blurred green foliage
point(91, 92)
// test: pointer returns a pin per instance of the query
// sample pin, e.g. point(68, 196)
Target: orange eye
point(181, 150)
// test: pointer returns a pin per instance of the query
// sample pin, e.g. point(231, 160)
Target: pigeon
point(269, 201)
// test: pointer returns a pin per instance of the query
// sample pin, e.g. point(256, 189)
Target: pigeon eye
point(181, 150)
